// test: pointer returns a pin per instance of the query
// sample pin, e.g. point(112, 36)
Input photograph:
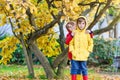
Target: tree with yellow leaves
point(32, 23)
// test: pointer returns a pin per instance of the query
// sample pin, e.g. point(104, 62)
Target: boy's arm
point(68, 39)
point(90, 32)
point(90, 44)
point(71, 46)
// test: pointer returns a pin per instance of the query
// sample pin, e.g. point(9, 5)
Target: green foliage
point(43, 77)
point(51, 59)
point(112, 11)
point(104, 51)
point(19, 58)
point(18, 55)
point(30, 77)
point(110, 69)
point(3, 37)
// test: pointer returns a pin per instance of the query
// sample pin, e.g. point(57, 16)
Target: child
point(80, 46)
point(70, 26)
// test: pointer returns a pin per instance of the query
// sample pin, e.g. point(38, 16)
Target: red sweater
point(67, 41)
point(69, 38)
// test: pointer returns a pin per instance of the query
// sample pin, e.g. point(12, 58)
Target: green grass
point(18, 72)
point(21, 72)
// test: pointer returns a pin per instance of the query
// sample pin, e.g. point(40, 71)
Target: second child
point(80, 46)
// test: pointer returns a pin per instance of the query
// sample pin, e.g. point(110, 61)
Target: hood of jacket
point(82, 30)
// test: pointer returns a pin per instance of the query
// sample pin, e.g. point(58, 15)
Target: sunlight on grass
point(18, 72)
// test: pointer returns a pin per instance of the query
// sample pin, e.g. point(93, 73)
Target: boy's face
point(81, 25)
point(71, 27)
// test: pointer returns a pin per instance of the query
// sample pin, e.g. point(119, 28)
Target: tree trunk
point(59, 58)
point(28, 60)
point(115, 31)
point(62, 64)
point(27, 57)
point(62, 36)
point(111, 32)
point(96, 19)
point(109, 27)
point(31, 60)
point(61, 67)
point(44, 62)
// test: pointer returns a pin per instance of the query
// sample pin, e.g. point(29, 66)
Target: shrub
point(104, 51)
point(18, 56)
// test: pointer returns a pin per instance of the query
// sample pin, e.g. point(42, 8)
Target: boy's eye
point(83, 23)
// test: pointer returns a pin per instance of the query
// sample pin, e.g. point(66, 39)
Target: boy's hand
point(87, 31)
point(73, 33)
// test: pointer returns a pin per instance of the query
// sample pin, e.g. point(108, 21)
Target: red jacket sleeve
point(91, 34)
point(68, 38)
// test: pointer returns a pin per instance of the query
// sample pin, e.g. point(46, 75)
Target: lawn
point(18, 72)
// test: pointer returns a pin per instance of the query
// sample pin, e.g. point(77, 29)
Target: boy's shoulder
point(68, 34)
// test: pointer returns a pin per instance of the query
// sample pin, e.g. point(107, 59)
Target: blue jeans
point(79, 67)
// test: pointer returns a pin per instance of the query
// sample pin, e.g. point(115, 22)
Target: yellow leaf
point(23, 10)
point(17, 16)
